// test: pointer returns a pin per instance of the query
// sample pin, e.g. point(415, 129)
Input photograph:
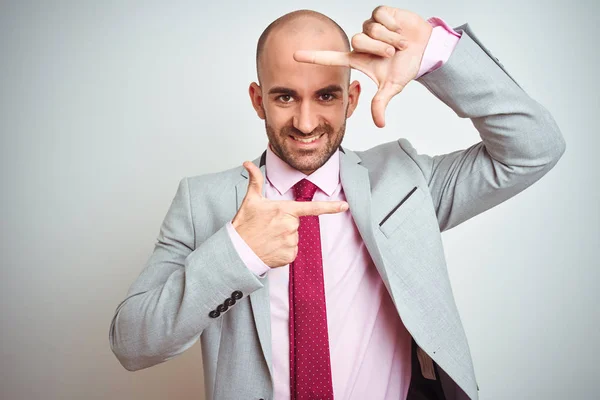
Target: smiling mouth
point(307, 140)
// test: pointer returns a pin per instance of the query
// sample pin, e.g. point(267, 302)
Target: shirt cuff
point(248, 256)
point(441, 43)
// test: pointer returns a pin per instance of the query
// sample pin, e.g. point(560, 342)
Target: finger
point(302, 208)
point(255, 179)
point(354, 60)
point(381, 101)
point(323, 57)
point(377, 31)
point(388, 17)
point(364, 44)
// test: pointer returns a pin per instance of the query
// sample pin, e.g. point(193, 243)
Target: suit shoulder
point(212, 179)
point(211, 191)
point(212, 199)
point(396, 152)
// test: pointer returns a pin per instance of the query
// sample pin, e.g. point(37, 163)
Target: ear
point(353, 95)
point(256, 97)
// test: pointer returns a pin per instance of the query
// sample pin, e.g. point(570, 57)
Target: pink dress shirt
point(370, 348)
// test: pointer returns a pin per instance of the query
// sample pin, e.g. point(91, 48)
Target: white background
point(105, 106)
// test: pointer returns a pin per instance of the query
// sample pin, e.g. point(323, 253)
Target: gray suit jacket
point(400, 200)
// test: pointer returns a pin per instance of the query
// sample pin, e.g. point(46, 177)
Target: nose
point(306, 119)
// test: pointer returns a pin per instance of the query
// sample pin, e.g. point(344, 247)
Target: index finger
point(323, 57)
point(303, 208)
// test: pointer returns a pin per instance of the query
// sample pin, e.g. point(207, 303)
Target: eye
point(327, 97)
point(285, 98)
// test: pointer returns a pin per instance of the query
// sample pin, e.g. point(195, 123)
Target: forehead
point(278, 67)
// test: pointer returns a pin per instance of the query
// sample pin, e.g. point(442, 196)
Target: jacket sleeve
point(520, 140)
point(167, 307)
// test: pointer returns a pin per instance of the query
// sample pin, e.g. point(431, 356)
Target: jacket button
point(236, 295)
point(214, 314)
point(229, 302)
point(222, 308)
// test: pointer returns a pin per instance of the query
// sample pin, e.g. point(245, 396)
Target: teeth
point(309, 140)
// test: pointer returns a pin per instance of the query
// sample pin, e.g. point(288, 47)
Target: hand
point(402, 33)
point(270, 227)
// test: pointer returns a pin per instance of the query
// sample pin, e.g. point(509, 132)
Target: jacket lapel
point(357, 188)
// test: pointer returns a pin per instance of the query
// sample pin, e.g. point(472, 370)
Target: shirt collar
point(283, 177)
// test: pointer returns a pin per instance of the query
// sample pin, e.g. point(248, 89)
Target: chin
point(308, 163)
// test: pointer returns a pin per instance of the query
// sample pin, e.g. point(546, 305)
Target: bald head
point(300, 22)
point(303, 100)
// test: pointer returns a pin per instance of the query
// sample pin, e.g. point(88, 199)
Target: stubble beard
point(306, 161)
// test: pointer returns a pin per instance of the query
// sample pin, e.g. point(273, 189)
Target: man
point(328, 277)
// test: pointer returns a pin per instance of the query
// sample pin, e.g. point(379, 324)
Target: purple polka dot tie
point(310, 367)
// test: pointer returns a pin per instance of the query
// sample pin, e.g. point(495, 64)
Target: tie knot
point(304, 190)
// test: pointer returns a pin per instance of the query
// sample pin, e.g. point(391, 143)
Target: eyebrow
point(282, 90)
point(330, 89)
point(291, 92)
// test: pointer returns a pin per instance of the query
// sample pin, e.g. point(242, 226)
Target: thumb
point(381, 101)
point(255, 179)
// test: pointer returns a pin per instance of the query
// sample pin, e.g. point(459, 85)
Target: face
point(304, 106)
